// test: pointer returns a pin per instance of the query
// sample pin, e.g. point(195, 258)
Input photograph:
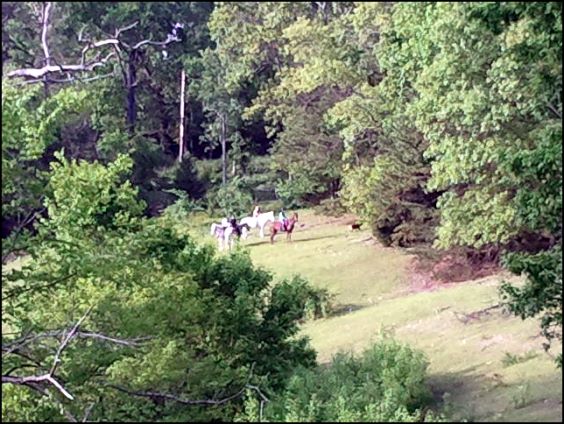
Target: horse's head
point(295, 217)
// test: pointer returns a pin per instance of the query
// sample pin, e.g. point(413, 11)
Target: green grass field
point(469, 370)
point(487, 369)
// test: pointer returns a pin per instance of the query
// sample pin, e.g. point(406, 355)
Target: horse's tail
point(212, 230)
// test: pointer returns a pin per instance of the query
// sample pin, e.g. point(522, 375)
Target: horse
point(225, 234)
point(279, 226)
point(259, 221)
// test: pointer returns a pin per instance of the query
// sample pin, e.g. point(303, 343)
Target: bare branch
point(556, 112)
point(66, 341)
point(35, 381)
point(167, 396)
point(45, 24)
point(76, 78)
point(96, 45)
point(169, 39)
point(17, 345)
point(87, 412)
point(38, 73)
point(29, 380)
point(210, 402)
point(126, 28)
point(19, 291)
point(131, 342)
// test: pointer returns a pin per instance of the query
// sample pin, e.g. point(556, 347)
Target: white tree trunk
point(181, 141)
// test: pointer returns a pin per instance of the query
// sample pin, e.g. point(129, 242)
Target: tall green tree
point(489, 102)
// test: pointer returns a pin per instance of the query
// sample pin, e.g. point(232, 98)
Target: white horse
point(259, 221)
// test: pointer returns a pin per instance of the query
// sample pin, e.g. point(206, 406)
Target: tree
point(490, 106)
point(30, 128)
point(162, 328)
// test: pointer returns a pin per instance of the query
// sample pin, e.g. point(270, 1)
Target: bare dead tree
point(127, 57)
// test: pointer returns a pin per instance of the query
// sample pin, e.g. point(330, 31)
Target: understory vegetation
point(437, 125)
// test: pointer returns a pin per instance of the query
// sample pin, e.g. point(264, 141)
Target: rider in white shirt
point(282, 218)
point(256, 211)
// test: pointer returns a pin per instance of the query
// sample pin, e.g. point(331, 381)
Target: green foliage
point(522, 397)
point(214, 322)
point(489, 105)
point(30, 126)
point(386, 383)
point(90, 198)
point(231, 199)
point(293, 191)
point(181, 210)
point(542, 292)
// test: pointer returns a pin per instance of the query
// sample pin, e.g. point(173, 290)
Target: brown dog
point(356, 226)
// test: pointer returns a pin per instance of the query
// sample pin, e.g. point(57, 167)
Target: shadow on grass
point(282, 239)
point(340, 310)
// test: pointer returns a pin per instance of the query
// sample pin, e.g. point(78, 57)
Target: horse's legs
point(262, 231)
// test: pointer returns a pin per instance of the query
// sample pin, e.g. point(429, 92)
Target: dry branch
point(466, 318)
point(37, 381)
point(83, 66)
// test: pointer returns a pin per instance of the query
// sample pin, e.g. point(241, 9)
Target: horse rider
point(256, 211)
point(282, 218)
point(233, 224)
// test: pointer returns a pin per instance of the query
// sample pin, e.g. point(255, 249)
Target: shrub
point(386, 383)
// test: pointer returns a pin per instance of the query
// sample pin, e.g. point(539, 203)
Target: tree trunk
point(45, 25)
point(181, 141)
point(131, 84)
point(223, 150)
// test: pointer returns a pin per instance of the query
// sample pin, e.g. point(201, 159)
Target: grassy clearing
point(469, 370)
point(487, 369)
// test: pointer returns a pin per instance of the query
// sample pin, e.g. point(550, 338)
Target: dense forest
point(439, 125)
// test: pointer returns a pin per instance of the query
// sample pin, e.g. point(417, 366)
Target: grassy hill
point(484, 367)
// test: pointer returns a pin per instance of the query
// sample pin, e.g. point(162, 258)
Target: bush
point(319, 304)
point(385, 384)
